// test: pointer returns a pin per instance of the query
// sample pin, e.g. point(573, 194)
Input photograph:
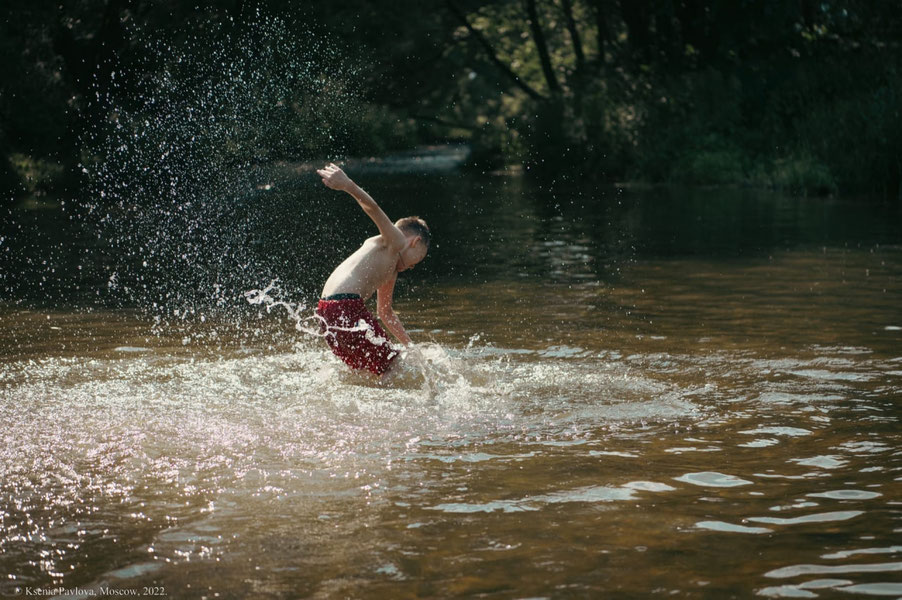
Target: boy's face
point(412, 254)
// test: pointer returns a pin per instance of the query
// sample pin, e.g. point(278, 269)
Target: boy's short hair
point(416, 226)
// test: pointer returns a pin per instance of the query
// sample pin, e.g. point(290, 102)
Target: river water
point(615, 393)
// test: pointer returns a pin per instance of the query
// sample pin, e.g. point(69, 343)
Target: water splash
point(428, 366)
point(268, 298)
point(190, 150)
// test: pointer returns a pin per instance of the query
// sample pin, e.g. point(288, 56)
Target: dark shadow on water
point(486, 228)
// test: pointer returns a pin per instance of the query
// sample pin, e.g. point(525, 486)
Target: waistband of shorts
point(341, 297)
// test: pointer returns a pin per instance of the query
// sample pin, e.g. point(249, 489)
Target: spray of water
point(427, 366)
point(184, 178)
point(187, 169)
point(296, 311)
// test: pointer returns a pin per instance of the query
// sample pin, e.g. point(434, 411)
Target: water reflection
point(594, 431)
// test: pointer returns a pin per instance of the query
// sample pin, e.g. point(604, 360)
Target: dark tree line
point(800, 94)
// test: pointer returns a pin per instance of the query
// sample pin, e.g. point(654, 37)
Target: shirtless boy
point(352, 332)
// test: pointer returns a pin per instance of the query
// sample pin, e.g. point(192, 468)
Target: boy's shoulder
point(376, 243)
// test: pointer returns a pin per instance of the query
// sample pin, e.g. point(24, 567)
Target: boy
point(352, 332)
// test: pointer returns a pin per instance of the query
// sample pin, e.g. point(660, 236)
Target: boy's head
point(418, 237)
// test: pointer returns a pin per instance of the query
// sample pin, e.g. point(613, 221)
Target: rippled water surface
point(694, 395)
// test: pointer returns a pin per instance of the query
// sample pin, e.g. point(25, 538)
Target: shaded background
point(158, 155)
point(798, 95)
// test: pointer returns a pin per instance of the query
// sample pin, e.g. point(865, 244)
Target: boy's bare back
point(373, 265)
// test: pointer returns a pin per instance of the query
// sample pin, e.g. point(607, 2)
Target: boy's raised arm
point(336, 179)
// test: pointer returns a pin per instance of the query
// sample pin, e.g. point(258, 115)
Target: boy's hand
point(335, 178)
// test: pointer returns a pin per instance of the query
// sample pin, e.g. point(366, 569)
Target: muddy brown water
point(615, 393)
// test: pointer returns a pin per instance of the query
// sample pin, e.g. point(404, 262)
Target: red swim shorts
point(355, 336)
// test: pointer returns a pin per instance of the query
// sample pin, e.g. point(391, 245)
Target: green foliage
point(721, 165)
point(37, 175)
point(860, 137)
point(33, 97)
point(688, 130)
point(802, 95)
point(802, 174)
point(808, 125)
point(378, 129)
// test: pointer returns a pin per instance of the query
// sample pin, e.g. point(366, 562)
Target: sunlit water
point(711, 417)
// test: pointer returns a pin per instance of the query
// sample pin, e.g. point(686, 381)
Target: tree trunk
point(538, 37)
point(574, 36)
point(601, 27)
point(637, 16)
